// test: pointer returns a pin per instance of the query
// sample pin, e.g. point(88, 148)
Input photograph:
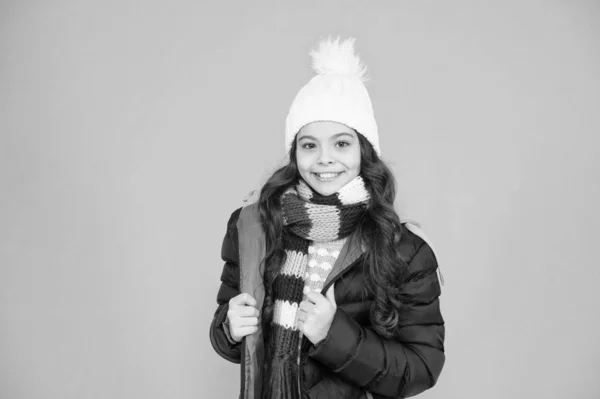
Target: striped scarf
point(307, 216)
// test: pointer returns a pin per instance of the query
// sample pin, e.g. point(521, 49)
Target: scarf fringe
point(283, 383)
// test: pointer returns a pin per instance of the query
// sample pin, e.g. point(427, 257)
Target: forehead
point(325, 129)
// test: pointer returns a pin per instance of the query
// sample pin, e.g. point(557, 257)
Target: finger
point(244, 322)
point(315, 297)
point(301, 317)
point(330, 295)
point(242, 299)
point(247, 321)
point(237, 311)
point(306, 306)
point(247, 311)
point(245, 299)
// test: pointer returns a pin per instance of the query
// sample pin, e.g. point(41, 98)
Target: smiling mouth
point(327, 176)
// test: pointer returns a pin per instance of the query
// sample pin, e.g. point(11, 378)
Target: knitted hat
point(335, 94)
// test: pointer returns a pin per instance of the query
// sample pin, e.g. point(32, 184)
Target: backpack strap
point(251, 198)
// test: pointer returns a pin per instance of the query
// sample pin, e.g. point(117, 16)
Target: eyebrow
point(335, 136)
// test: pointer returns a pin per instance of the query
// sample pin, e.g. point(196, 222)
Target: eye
point(343, 143)
point(308, 146)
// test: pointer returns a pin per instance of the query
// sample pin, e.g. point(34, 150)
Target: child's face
point(328, 156)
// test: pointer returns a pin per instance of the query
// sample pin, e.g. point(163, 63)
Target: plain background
point(129, 131)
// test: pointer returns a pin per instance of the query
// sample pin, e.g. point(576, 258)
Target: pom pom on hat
point(335, 94)
point(335, 58)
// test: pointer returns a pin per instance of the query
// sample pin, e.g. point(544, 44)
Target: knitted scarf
point(307, 216)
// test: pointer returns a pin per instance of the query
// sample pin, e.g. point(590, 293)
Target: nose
point(325, 157)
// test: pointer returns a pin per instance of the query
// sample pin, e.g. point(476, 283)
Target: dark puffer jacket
point(353, 361)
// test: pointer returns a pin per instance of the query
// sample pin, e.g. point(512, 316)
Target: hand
point(242, 316)
point(315, 315)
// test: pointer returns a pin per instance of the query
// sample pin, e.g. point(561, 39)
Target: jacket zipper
point(298, 360)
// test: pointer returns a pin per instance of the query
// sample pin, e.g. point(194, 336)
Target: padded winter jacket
point(352, 361)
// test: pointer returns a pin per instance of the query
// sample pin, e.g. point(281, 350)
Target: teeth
point(327, 175)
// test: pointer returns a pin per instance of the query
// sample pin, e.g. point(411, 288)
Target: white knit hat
point(335, 94)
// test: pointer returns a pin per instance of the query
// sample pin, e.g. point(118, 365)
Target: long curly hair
point(379, 231)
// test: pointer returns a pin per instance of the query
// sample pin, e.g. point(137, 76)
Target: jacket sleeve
point(230, 282)
point(393, 368)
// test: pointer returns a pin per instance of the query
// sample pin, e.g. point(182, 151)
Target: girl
point(325, 293)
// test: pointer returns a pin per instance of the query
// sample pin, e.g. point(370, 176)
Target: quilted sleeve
point(229, 288)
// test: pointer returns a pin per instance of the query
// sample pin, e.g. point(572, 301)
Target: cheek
point(300, 160)
point(355, 160)
point(303, 163)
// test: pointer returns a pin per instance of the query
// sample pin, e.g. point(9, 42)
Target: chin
point(326, 190)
